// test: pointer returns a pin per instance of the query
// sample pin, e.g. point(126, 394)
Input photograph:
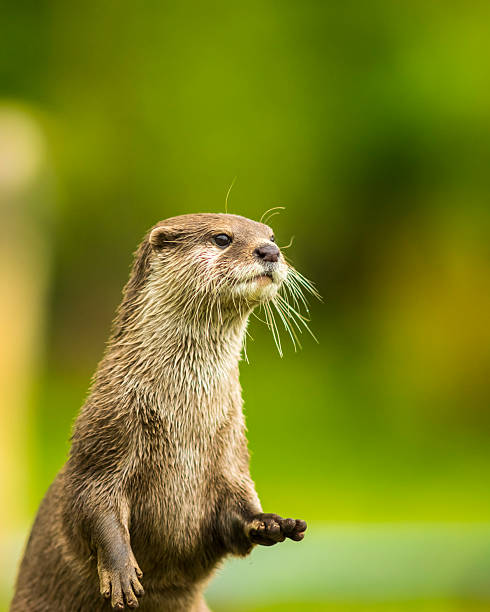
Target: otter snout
point(268, 252)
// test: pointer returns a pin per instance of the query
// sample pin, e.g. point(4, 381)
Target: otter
point(156, 490)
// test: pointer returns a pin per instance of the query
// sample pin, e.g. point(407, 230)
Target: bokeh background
point(370, 123)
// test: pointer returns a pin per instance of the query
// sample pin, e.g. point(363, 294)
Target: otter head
point(194, 269)
point(222, 260)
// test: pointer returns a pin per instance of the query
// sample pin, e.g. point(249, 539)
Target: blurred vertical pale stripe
point(23, 274)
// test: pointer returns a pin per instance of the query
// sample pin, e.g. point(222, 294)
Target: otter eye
point(222, 240)
point(273, 238)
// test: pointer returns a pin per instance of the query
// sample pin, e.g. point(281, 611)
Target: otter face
point(226, 257)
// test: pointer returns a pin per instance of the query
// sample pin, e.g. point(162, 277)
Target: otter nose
point(267, 252)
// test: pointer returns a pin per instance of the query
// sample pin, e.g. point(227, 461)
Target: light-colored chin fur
point(254, 286)
point(258, 290)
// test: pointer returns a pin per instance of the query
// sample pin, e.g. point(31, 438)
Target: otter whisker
point(292, 323)
point(308, 285)
point(228, 194)
point(300, 317)
point(292, 335)
point(244, 346)
point(290, 244)
point(254, 314)
point(296, 296)
point(273, 327)
point(289, 313)
point(269, 217)
point(292, 286)
point(292, 310)
point(262, 218)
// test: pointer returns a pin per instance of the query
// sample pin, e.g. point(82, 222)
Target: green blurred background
point(370, 123)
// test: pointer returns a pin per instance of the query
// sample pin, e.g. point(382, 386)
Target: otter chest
point(178, 503)
point(180, 463)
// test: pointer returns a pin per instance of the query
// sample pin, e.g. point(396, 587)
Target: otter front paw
point(121, 585)
point(268, 529)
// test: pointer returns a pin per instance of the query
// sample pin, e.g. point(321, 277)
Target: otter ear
point(164, 235)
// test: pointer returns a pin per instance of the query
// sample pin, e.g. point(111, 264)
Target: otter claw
point(269, 529)
point(122, 587)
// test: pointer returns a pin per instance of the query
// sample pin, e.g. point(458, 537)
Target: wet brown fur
point(158, 473)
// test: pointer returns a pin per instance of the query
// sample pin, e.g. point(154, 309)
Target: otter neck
point(178, 357)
